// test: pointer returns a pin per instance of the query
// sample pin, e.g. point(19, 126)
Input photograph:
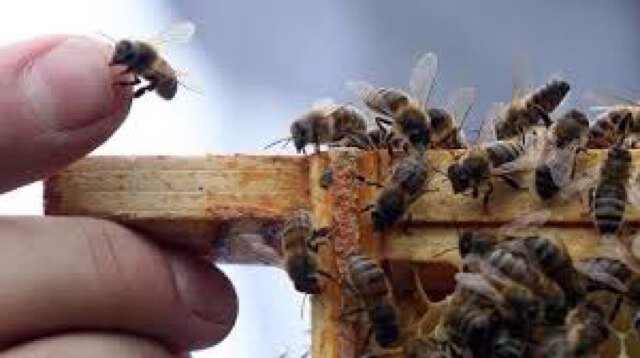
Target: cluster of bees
point(516, 295)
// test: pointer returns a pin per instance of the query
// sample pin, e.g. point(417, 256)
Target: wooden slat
point(182, 200)
point(442, 207)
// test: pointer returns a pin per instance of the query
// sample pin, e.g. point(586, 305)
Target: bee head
point(459, 177)
point(465, 243)
point(438, 117)
point(470, 242)
point(617, 152)
point(124, 54)
point(579, 117)
point(301, 135)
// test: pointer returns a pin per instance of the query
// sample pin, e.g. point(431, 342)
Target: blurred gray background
point(274, 58)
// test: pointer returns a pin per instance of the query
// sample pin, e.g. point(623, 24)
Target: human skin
point(79, 287)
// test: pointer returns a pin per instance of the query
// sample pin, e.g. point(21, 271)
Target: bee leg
point(367, 208)
point(475, 191)
point(406, 224)
point(511, 182)
point(319, 238)
point(380, 120)
point(615, 309)
point(387, 138)
point(352, 312)
point(485, 199)
point(328, 276)
point(358, 142)
point(367, 181)
point(592, 193)
point(136, 81)
point(367, 339)
point(142, 90)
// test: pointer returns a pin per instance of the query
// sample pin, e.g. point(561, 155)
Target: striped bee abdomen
point(367, 277)
point(502, 152)
point(550, 95)
point(609, 205)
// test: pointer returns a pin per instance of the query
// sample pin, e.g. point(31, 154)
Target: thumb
point(57, 103)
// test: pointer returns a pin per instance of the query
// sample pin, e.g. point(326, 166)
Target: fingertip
point(209, 295)
point(71, 84)
point(59, 101)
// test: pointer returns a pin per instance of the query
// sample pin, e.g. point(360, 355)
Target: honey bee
point(602, 134)
point(511, 305)
point(623, 115)
point(608, 274)
point(528, 110)
point(540, 264)
point(326, 122)
point(300, 243)
point(376, 138)
point(583, 335)
point(482, 162)
point(612, 192)
point(447, 123)
point(614, 276)
point(405, 111)
point(469, 323)
point(372, 288)
point(143, 60)
point(557, 161)
point(404, 185)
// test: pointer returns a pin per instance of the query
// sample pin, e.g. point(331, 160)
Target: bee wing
point(633, 193)
point(625, 254)
point(326, 105)
point(366, 92)
point(422, 76)
point(460, 103)
point(609, 99)
point(477, 283)
point(519, 78)
point(532, 151)
point(582, 181)
point(176, 33)
point(534, 219)
point(188, 82)
point(560, 164)
point(601, 277)
point(486, 133)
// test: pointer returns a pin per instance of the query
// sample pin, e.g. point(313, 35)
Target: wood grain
point(182, 200)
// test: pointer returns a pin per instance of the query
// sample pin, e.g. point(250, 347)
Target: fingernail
point(68, 86)
point(205, 290)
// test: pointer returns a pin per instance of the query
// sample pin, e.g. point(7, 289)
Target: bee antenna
point(285, 140)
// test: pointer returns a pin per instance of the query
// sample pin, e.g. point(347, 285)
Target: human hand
point(81, 287)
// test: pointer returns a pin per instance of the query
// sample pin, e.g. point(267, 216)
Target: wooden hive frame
point(189, 202)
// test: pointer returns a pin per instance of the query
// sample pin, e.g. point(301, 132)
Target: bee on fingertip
point(150, 70)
